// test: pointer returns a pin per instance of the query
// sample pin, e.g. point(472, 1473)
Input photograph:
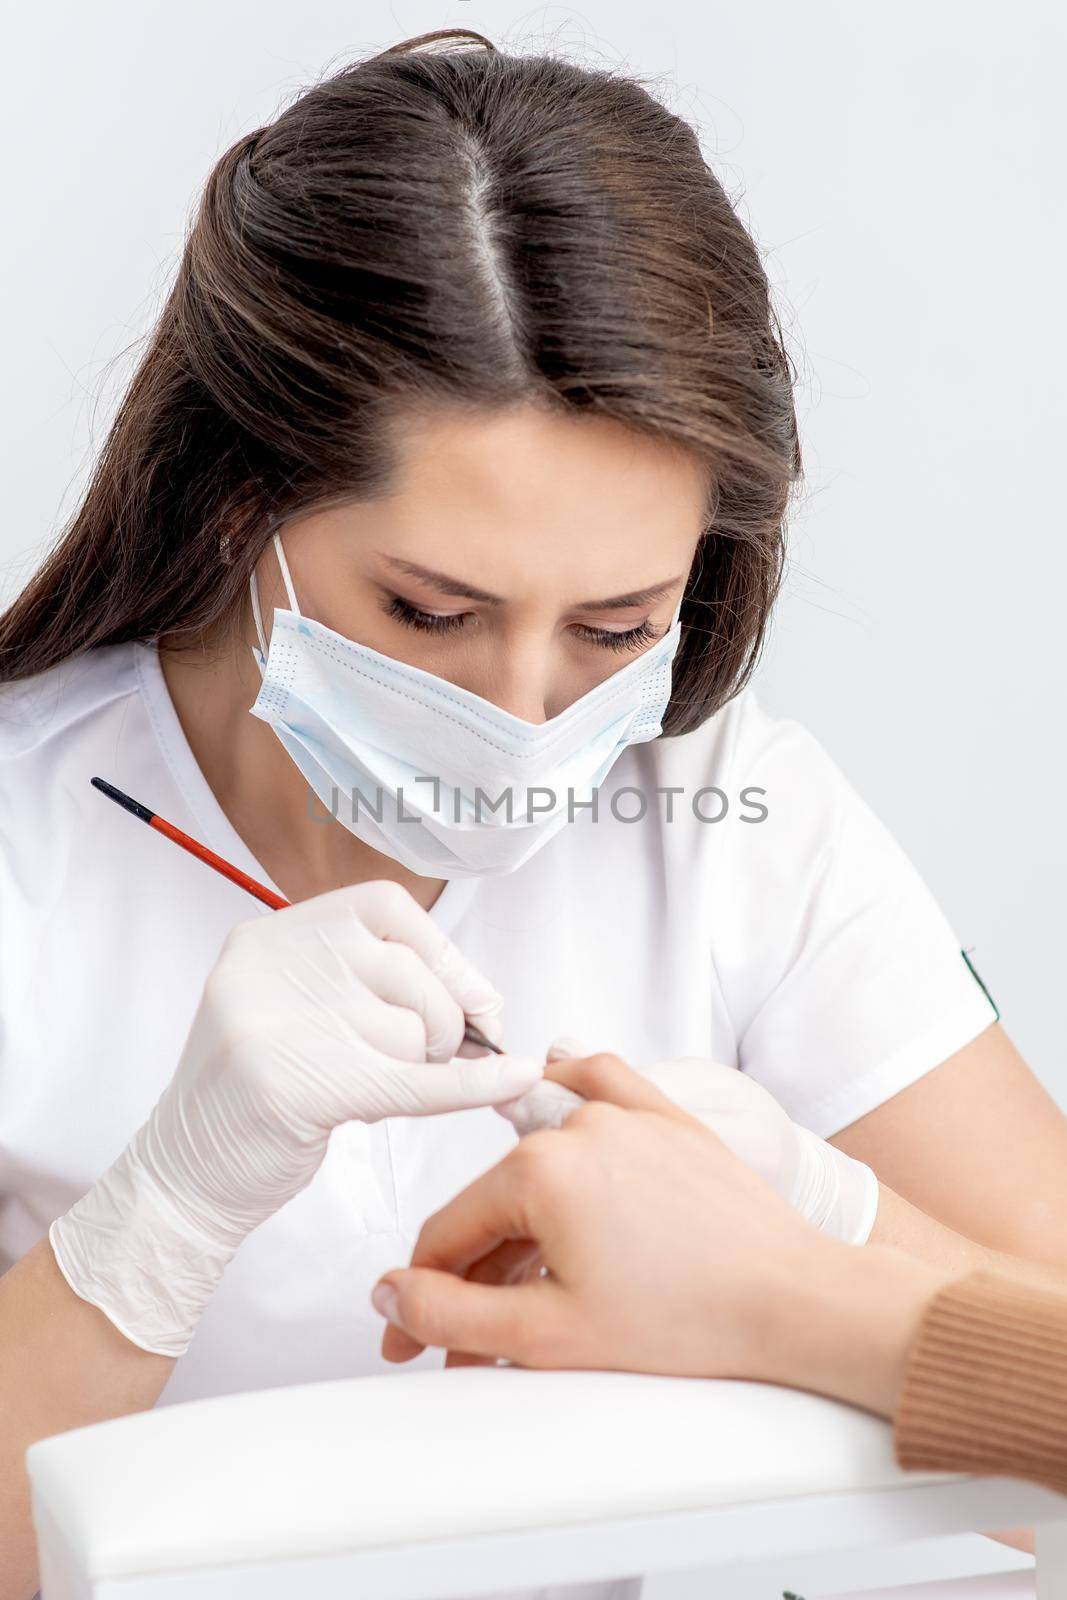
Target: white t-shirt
point(802, 948)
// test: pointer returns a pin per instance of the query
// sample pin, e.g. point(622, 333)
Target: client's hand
point(836, 1193)
point(663, 1253)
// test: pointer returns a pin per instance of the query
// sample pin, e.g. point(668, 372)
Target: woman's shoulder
point(40, 713)
point(744, 766)
point(57, 729)
point(742, 742)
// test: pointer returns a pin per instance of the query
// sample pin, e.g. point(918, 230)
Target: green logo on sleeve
point(974, 974)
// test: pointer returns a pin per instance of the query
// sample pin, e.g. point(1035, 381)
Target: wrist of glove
point(124, 1248)
point(834, 1192)
point(347, 1007)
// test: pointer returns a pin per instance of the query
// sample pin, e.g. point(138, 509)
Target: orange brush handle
point(235, 875)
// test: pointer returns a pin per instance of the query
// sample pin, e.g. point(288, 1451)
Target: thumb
point(439, 1308)
point(460, 1084)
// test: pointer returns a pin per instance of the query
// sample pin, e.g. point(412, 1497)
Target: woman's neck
point(260, 789)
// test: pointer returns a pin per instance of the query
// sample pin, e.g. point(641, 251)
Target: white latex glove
point(349, 1006)
point(836, 1193)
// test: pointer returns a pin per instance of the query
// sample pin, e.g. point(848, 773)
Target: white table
point(434, 1483)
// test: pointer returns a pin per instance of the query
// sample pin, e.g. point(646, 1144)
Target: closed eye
point(450, 622)
point(424, 621)
point(630, 639)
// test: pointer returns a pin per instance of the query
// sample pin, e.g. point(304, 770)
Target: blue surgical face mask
point(446, 783)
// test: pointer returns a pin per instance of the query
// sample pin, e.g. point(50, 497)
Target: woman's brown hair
point(453, 226)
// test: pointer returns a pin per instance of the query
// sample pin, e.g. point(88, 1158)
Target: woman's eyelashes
point(433, 622)
point(425, 621)
point(631, 639)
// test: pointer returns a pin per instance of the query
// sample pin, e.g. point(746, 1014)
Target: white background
point(901, 166)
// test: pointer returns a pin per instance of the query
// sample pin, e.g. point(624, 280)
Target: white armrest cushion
point(332, 1467)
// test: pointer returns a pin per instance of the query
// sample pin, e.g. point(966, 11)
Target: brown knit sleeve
point(985, 1383)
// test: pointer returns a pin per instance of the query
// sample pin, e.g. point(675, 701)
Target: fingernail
point(385, 1299)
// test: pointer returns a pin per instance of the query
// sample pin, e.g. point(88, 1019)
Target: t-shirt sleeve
point(844, 980)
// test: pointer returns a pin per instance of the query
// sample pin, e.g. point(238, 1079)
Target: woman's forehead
point(582, 506)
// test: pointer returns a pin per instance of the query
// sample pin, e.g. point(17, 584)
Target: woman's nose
point(524, 680)
point(521, 699)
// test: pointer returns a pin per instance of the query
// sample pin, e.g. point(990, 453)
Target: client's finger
point(514, 1261)
point(491, 1211)
point(463, 1358)
point(398, 1345)
point(440, 1309)
point(605, 1077)
point(510, 1262)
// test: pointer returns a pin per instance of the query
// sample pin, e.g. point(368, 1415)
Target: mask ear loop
point(286, 579)
point(254, 591)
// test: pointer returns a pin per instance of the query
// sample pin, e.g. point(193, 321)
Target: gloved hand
point(349, 1006)
point(836, 1193)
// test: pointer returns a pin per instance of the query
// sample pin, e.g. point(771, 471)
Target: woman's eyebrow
point(461, 589)
point(636, 597)
point(440, 580)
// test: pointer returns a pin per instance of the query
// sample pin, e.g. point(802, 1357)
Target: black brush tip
point(133, 806)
